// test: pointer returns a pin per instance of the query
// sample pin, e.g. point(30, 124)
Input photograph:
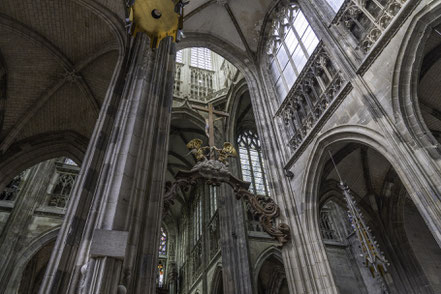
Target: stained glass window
point(251, 162)
point(201, 58)
point(290, 46)
point(161, 274)
point(163, 242)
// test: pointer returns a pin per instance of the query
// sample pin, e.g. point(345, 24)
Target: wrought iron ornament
point(215, 172)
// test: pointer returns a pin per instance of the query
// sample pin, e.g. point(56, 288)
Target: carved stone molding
point(213, 172)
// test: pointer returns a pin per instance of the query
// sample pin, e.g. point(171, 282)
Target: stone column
point(236, 268)
point(14, 235)
point(172, 278)
point(116, 249)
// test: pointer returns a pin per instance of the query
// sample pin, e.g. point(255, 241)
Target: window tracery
point(13, 187)
point(367, 20)
point(251, 162)
point(163, 242)
point(290, 45)
point(59, 196)
point(201, 58)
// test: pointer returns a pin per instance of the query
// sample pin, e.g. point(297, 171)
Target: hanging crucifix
point(214, 171)
point(210, 123)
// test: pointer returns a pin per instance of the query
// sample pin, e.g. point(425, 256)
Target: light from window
point(251, 162)
point(70, 162)
point(163, 242)
point(179, 56)
point(197, 219)
point(201, 58)
point(336, 4)
point(213, 200)
point(290, 46)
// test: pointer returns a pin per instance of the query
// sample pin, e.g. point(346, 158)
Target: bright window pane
point(252, 171)
point(179, 56)
point(298, 58)
point(299, 43)
point(300, 24)
point(290, 75)
point(336, 4)
point(291, 41)
point(201, 58)
point(280, 88)
point(282, 57)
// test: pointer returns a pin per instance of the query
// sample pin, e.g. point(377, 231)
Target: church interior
point(220, 146)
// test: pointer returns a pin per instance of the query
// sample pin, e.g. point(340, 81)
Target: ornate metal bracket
point(214, 172)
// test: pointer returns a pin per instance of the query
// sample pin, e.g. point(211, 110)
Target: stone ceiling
point(237, 22)
point(58, 58)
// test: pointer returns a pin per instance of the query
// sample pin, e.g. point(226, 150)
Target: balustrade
point(317, 87)
point(368, 19)
point(213, 228)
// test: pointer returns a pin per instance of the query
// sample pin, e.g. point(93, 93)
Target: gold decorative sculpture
point(197, 150)
point(157, 18)
point(227, 151)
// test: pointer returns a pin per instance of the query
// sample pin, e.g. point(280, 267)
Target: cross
point(211, 113)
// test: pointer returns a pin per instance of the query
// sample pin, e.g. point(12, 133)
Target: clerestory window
point(201, 58)
point(179, 56)
point(290, 45)
point(251, 162)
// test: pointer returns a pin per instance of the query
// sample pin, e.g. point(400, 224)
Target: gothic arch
point(230, 53)
point(405, 100)
point(313, 176)
point(26, 255)
point(31, 151)
point(272, 254)
point(217, 282)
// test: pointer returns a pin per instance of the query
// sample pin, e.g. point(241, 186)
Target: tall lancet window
point(160, 280)
point(163, 243)
point(201, 58)
point(290, 45)
point(251, 162)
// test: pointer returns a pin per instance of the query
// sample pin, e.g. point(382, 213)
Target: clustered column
point(117, 246)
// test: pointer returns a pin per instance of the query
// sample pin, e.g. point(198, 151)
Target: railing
point(319, 86)
point(213, 229)
point(197, 259)
point(367, 20)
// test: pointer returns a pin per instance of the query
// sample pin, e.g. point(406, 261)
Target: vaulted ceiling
point(57, 60)
point(237, 22)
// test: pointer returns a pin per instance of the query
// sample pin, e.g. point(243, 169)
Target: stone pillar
point(236, 268)
point(14, 234)
point(172, 278)
point(116, 248)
